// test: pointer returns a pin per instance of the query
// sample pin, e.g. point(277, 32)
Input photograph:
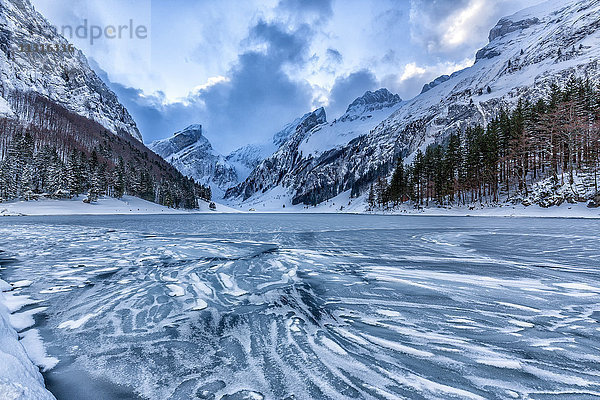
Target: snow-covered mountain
point(527, 52)
point(64, 77)
point(313, 138)
point(192, 154)
point(439, 80)
point(272, 170)
point(248, 157)
point(362, 115)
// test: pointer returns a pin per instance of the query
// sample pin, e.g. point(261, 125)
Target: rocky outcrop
point(434, 83)
point(62, 76)
point(369, 102)
point(193, 155)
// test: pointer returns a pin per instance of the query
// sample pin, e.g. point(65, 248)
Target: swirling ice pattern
point(361, 312)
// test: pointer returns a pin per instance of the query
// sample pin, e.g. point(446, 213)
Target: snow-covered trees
point(555, 138)
point(62, 154)
point(371, 199)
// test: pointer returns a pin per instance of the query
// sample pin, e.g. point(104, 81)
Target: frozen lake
point(313, 306)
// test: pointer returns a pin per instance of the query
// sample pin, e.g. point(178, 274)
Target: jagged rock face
point(64, 77)
point(180, 140)
point(283, 162)
point(434, 83)
point(248, 157)
point(369, 102)
point(280, 137)
point(506, 25)
point(192, 154)
point(528, 52)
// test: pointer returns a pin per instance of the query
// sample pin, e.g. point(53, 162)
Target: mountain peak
point(546, 14)
point(507, 25)
point(193, 132)
point(191, 135)
point(193, 127)
point(67, 78)
point(192, 154)
point(312, 119)
point(320, 115)
point(371, 101)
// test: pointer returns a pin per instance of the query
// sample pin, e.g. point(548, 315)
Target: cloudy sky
point(245, 68)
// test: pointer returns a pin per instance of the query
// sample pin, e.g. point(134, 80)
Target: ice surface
point(22, 283)
point(313, 306)
point(74, 324)
point(24, 320)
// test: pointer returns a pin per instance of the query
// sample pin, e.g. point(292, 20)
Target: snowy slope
point(281, 164)
point(127, 205)
point(528, 51)
point(192, 154)
point(362, 115)
point(315, 139)
point(5, 110)
point(521, 60)
point(64, 77)
point(248, 157)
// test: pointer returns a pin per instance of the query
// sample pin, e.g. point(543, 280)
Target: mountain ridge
point(192, 154)
point(64, 77)
point(63, 132)
point(554, 41)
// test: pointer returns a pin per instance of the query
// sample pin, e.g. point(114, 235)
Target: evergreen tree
point(119, 178)
point(371, 199)
point(397, 188)
point(381, 192)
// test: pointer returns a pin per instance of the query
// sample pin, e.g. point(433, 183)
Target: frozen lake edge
point(203, 266)
point(129, 205)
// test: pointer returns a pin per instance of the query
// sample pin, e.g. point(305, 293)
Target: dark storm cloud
point(257, 99)
point(260, 97)
point(283, 45)
point(334, 56)
point(347, 88)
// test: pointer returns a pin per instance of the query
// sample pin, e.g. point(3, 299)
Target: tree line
point(53, 152)
point(555, 138)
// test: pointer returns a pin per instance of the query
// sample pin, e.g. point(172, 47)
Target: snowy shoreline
point(579, 210)
point(129, 205)
point(280, 202)
point(574, 212)
point(20, 378)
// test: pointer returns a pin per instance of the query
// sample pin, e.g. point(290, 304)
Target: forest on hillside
point(555, 139)
point(52, 152)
